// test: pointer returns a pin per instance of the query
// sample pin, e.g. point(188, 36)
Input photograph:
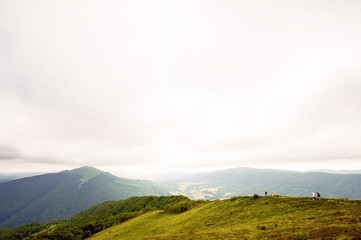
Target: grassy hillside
point(49, 197)
point(247, 218)
point(177, 217)
point(99, 217)
point(247, 181)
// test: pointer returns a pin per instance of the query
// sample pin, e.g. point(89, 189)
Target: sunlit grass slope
point(248, 218)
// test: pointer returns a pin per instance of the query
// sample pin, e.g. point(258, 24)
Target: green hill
point(247, 181)
point(248, 218)
point(177, 217)
point(50, 197)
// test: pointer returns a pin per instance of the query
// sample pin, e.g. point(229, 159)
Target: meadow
point(178, 217)
point(248, 218)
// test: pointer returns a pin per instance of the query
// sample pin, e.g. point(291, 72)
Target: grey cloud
point(47, 160)
point(8, 153)
point(11, 154)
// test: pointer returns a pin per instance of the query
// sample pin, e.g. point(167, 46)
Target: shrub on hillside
point(178, 207)
point(235, 198)
point(255, 196)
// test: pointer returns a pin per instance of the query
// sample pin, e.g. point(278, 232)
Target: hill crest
point(87, 173)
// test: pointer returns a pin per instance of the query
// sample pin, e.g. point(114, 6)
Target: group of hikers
point(276, 194)
point(314, 195)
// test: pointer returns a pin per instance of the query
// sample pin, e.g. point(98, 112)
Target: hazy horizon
point(139, 87)
point(171, 175)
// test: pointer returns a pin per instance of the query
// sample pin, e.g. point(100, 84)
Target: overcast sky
point(154, 86)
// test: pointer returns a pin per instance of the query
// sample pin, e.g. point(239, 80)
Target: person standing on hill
point(314, 195)
point(318, 195)
point(265, 193)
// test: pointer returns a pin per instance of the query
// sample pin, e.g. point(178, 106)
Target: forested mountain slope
point(97, 218)
point(49, 197)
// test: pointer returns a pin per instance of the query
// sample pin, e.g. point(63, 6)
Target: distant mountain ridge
point(338, 171)
point(248, 181)
point(13, 176)
point(53, 196)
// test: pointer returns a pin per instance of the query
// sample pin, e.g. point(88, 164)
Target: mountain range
point(54, 196)
point(48, 197)
point(248, 181)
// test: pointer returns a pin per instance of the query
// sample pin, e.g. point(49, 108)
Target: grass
point(247, 218)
